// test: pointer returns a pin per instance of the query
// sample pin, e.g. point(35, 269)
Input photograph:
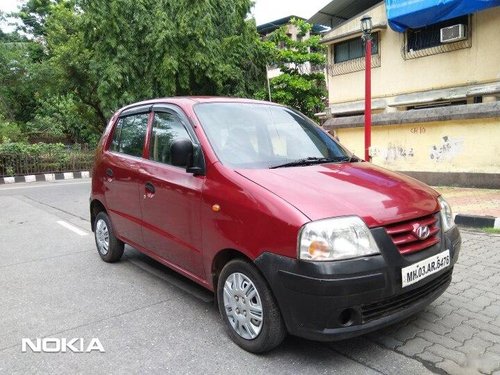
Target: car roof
point(191, 100)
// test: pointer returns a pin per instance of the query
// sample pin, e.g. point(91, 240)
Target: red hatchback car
point(257, 203)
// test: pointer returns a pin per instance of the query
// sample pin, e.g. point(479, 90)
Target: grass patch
point(492, 230)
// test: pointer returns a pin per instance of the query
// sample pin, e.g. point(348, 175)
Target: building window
point(352, 49)
point(429, 36)
point(437, 104)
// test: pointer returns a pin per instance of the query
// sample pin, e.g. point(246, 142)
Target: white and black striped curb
point(477, 221)
point(45, 177)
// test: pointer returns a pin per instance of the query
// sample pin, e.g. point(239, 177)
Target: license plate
point(424, 268)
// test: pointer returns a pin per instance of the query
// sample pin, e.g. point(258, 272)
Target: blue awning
point(413, 14)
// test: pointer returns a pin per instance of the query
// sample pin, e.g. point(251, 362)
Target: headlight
point(335, 239)
point(446, 214)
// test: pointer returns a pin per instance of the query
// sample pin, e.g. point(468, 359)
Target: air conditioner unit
point(453, 33)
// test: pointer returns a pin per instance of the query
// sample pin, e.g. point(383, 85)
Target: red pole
point(368, 97)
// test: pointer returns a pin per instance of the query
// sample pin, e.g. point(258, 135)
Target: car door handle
point(150, 187)
point(109, 172)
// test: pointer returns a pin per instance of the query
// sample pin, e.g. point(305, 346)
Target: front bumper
point(327, 301)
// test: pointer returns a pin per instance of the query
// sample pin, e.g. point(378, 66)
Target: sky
point(9, 5)
point(269, 10)
point(264, 10)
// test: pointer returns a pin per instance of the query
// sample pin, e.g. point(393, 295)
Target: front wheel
point(248, 308)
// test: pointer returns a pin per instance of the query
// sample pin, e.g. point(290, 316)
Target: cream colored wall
point(478, 64)
point(470, 146)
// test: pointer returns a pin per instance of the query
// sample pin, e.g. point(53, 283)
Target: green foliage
point(10, 131)
point(37, 149)
point(492, 230)
point(60, 118)
point(17, 84)
point(20, 158)
point(185, 48)
point(34, 14)
point(305, 92)
point(86, 58)
point(297, 86)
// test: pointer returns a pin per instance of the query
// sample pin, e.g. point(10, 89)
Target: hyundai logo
point(422, 232)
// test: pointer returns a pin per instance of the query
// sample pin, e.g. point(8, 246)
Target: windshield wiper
point(350, 159)
point(310, 161)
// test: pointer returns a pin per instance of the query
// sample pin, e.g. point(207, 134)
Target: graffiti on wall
point(393, 152)
point(447, 149)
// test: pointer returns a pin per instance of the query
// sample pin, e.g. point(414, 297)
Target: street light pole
point(268, 83)
point(366, 27)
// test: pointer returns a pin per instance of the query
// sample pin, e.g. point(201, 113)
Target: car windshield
point(250, 135)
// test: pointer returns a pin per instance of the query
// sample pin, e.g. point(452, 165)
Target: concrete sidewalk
point(473, 207)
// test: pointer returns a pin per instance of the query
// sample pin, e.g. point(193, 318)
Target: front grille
point(391, 305)
point(404, 234)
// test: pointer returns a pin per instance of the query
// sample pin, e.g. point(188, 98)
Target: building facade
point(435, 101)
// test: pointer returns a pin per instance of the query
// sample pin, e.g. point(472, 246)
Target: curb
point(45, 177)
point(476, 221)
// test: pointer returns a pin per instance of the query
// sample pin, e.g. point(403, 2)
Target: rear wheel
point(108, 246)
point(248, 308)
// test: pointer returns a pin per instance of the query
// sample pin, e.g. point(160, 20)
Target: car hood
point(377, 195)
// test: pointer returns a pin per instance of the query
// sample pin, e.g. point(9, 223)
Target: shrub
point(17, 158)
point(10, 132)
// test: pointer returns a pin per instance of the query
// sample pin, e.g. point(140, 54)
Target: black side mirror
point(182, 155)
point(181, 152)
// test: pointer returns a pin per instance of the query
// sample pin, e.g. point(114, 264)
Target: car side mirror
point(181, 153)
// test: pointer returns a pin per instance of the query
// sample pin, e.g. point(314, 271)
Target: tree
point(83, 59)
point(160, 48)
point(18, 56)
point(59, 118)
point(34, 95)
point(33, 15)
point(298, 85)
point(74, 65)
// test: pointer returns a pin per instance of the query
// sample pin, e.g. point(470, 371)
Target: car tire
point(108, 246)
point(248, 308)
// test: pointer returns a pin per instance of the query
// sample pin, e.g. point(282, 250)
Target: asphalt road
point(147, 318)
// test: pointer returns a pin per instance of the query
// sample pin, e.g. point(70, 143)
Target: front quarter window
point(249, 135)
point(167, 128)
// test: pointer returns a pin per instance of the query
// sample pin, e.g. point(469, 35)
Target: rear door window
point(129, 134)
